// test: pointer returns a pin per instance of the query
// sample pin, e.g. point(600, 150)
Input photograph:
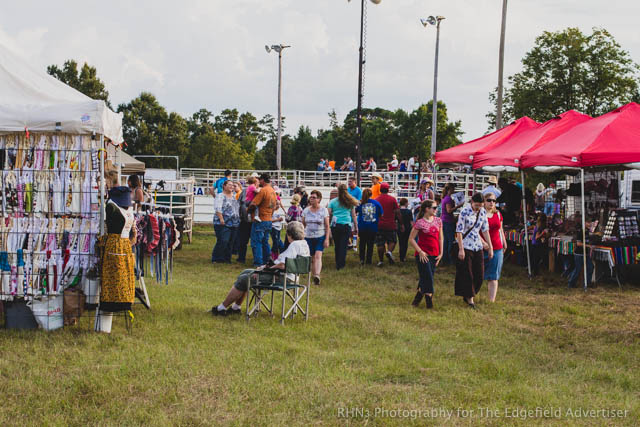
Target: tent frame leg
point(526, 228)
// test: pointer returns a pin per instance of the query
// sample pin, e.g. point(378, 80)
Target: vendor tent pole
point(103, 152)
point(473, 191)
point(526, 228)
point(584, 233)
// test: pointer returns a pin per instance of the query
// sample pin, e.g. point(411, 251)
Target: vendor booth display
point(594, 150)
point(52, 155)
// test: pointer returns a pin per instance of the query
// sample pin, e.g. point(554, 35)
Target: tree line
point(564, 70)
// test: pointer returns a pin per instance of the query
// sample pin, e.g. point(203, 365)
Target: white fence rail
point(402, 184)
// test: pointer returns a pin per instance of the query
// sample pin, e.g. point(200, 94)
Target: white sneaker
point(390, 257)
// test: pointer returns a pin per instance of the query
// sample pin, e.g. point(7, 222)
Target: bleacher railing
point(403, 184)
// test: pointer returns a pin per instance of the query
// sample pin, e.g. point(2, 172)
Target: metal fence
point(403, 184)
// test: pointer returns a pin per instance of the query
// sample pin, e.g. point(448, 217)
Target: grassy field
point(364, 347)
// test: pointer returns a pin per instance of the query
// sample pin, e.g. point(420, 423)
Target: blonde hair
point(111, 177)
point(345, 198)
point(540, 187)
point(295, 200)
point(494, 209)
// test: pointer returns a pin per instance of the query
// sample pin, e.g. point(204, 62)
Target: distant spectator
point(316, 222)
point(393, 165)
point(321, 165)
point(220, 182)
point(343, 215)
point(376, 180)
point(353, 189)
point(264, 203)
point(369, 213)
point(387, 227)
point(370, 165)
point(411, 164)
point(406, 219)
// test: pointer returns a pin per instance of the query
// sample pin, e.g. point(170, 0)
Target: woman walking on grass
point(316, 222)
point(493, 266)
point(369, 213)
point(470, 263)
point(343, 213)
point(429, 245)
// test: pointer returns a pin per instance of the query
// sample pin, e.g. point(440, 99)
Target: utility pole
point(501, 66)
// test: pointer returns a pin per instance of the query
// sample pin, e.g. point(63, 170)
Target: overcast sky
point(210, 53)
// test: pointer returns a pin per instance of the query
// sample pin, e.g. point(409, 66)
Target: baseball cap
point(384, 185)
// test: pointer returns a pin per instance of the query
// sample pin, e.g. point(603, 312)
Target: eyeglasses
point(491, 200)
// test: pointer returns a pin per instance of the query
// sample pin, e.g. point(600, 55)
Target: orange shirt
point(375, 190)
point(265, 200)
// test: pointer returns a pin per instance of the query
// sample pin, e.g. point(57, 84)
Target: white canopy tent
point(31, 99)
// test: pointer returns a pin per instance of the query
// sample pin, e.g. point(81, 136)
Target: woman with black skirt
point(470, 263)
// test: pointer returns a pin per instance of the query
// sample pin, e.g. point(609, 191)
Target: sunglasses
point(491, 200)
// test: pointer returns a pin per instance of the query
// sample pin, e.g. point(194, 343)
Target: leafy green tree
point(149, 129)
point(570, 70)
point(217, 150)
point(86, 80)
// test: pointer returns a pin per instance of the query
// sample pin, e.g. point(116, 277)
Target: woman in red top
point(493, 266)
point(428, 230)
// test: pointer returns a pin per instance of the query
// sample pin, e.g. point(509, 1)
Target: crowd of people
point(360, 219)
point(412, 164)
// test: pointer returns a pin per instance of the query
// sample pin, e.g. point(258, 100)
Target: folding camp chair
point(294, 291)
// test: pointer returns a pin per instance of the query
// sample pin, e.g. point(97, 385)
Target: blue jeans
point(225, 239)
point(449, 231)
point(276, 241)
point(549, 208)
point(260, 242)
point(426, 271)
point(578, 267)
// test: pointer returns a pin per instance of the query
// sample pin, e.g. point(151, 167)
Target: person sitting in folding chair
point(297, 247)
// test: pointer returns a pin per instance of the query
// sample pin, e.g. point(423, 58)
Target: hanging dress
point(117, 291)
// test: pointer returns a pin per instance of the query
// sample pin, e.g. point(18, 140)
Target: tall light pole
point(360, 94)
point(501, 66)
point(278, 48)
point(434, 20)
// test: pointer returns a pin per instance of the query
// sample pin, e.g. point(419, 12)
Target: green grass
point(364, 346)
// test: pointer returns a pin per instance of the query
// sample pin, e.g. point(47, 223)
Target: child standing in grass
point(429, 245)
point(407, 220)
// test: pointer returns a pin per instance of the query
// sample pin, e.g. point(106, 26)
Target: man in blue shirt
point(220, 182)
point(354, 190)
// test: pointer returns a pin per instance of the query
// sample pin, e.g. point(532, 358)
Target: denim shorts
point(316, 244)
point(493, 266)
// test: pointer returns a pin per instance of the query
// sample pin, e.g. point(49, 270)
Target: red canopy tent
point(465, 153)
point(618, 142)
point(611, 139)
point(505, 156)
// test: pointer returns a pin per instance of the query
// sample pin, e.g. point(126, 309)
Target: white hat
point(377, 175)
point(254, 175)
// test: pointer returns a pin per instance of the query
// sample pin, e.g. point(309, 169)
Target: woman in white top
point(317, 232)
point(297, 247)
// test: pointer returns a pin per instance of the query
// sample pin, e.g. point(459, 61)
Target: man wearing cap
point(376, 179)
point(386, 235)
point(265, 203)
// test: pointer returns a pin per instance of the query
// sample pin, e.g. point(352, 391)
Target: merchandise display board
point(50, 223)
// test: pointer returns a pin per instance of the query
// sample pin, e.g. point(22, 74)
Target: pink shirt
point(251, 193)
